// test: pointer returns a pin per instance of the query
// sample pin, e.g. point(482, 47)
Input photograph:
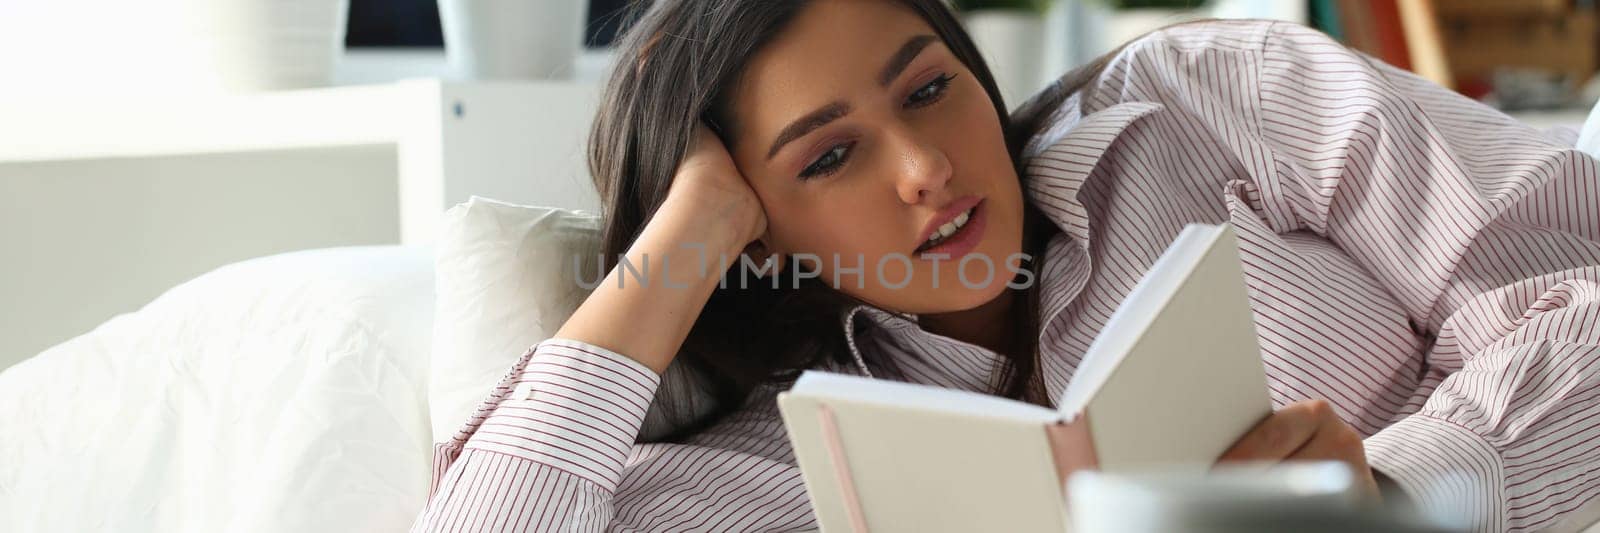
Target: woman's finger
point(1335, 441)
point(1278, 436)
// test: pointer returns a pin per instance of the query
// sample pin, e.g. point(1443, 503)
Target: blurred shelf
point(515, 141)
point(367, 66)
point(141, 127)
point(1551, 118)
point(373, 65)
point(109, 198)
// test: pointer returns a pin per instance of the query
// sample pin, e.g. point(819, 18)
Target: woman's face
point(862, 134)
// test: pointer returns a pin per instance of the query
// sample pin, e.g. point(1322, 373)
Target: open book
point(1172, 380)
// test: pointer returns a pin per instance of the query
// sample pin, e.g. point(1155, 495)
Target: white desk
point(105, 203)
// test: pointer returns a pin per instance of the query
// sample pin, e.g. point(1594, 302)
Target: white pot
point(1128, 24)
point(260, 45)
point(1012, 43)
point(513, 39)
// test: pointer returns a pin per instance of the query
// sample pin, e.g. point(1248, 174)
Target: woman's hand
point(1306, 431)
point(709, 210)
point(709, 192)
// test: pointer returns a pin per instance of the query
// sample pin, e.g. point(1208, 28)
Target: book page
point(1131, 319)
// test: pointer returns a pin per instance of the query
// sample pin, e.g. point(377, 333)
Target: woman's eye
point(931, 92)
point(828, 163)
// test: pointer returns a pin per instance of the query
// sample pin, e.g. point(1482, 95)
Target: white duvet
point(286, 393)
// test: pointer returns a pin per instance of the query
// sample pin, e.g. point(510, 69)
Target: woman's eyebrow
point(831, 112)
point(806, 124)
point(900, 59)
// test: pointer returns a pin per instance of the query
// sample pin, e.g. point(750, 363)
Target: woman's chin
point(972, 298)
point(953, 297)
point(957, 286)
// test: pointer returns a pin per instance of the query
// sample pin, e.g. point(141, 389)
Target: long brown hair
point(673, 67)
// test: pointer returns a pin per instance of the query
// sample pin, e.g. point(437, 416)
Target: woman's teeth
point(950, 228)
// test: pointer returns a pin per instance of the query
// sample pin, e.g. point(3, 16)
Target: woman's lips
point(946, 215)
point(965, 239)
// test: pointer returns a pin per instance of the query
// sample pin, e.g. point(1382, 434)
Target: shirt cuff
point(1450, 473)
point(575, 407)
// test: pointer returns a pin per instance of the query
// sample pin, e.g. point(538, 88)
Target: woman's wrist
point(692, 248)
point(718, 230)
point(646, 305)
point(1390, 491)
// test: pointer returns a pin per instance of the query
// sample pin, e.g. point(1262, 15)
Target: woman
point(1423, 270)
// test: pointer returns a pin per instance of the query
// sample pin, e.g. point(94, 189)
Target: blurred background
point(144, 143)
point(1518, 53)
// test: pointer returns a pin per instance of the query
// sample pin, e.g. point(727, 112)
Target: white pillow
point(504, 283)
point(282, 393)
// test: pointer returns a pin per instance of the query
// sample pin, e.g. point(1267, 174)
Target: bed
point(285, 393)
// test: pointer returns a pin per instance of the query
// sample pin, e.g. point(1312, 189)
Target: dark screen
point(406, 23)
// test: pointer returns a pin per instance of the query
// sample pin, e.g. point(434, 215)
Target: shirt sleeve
point(1488, 234)
point(553, 448)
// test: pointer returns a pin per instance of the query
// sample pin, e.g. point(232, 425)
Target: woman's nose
point(924, 171)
